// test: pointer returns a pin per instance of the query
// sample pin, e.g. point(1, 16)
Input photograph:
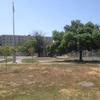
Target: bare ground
point(32, 79)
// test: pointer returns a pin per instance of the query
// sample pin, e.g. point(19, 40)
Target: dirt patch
point(86, 84)
point(13, 84)
point(94, 71)
point(68, 92)
point(4, 92)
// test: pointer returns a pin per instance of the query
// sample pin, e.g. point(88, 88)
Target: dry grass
point(49, 82)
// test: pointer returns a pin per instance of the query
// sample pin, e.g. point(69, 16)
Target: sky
point(46, 15)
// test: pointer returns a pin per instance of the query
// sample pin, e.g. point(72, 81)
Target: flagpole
point(14, 44)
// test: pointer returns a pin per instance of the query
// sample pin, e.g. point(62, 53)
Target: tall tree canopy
point(77, 37)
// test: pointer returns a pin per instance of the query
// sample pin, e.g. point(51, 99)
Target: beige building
point(9, 39)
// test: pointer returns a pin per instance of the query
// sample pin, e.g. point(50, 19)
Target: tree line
point(75, 37)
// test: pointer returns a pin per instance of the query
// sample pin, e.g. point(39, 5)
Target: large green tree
point(83, 34)
point(77, 37)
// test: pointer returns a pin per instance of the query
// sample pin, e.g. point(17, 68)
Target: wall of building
point(9, 39)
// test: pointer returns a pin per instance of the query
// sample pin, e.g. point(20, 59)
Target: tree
point(26, 45)
point(51, 49)
point(39, 46)
point(96, 39)
point(69, 42)
point(31, 51)
point(77, 37)
point(36, 43)
point(57, 38)
point(6, 51)
point(83, 34)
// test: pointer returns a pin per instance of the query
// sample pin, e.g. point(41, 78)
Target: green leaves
point(30, 43)
point(76, 37)
point(57, 36)
point(6, 50)
point(96, 38)
point(69, 41)
point(36, 43)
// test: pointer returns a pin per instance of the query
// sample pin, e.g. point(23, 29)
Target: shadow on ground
point(79, 62)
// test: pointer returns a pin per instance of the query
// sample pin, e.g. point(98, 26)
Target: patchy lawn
point(29, 60)
point(4, 61)
point(50, 82)
point(44, 60)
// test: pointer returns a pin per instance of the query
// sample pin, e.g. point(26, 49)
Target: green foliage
point(55, 47)
point(96, 39)
point(57, 36)
point(69, 41)
point(39, 47)
point(36, 43)
point(51, 49)
point(6, 50)
point(76, 37)
point(31, 50)
point(26, 45)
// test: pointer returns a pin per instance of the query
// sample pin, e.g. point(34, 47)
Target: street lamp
point(14, 44)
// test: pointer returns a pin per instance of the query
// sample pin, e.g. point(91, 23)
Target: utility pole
point(14, 42)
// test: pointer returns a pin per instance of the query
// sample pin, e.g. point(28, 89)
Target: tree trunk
point(39, 54)
point(6, 62)
point(80, 55)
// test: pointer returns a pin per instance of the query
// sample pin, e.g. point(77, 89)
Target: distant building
point(9, 39)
